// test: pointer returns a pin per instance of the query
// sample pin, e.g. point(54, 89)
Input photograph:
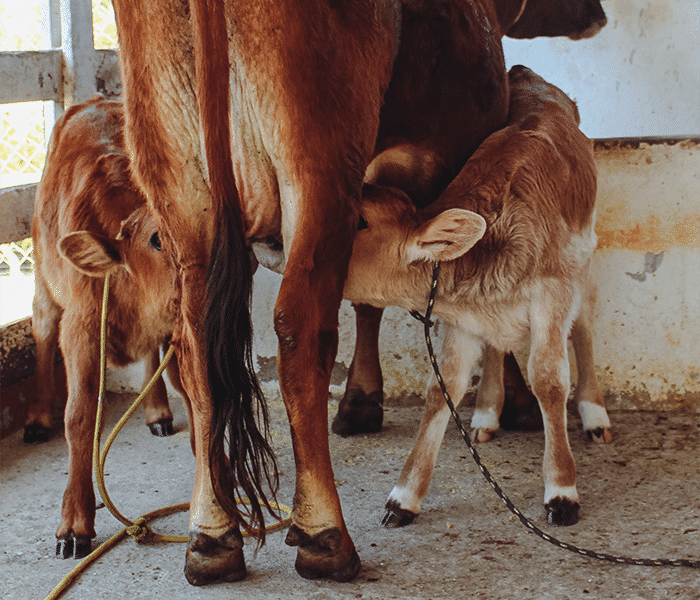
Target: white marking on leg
point(552, 490)
point(485, 419)
point(593, 415)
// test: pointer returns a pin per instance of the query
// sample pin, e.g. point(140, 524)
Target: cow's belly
point(253, 146)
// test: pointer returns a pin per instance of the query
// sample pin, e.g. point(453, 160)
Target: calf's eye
point(155, 241)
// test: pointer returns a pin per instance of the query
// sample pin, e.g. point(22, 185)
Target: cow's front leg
point(362, 408)
point(548, 370)
point(459, 354)
point(77, 526)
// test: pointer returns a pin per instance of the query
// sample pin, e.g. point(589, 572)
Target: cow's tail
point(239, 418)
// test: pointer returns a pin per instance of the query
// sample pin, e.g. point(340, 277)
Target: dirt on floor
point(640, 496)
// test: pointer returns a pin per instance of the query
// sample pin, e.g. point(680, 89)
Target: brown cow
point(89, 220)
point(255, 120)
point(514, 234)
point(361, 408)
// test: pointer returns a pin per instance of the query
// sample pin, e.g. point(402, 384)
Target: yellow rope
point(139, 530)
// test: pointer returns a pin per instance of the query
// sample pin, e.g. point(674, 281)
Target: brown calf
point(90, 220)
point(514, 232)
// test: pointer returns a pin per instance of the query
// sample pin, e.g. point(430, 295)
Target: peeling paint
point(651, 263)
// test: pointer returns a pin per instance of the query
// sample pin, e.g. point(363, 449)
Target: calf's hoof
point(600, 435)
point(78, 546)
point(359, 413)
point(396, 516)
point(324, 555)
point(212, 559)
point(481, 436)
point(162, 428)
point(36, 433)
point(562, 511)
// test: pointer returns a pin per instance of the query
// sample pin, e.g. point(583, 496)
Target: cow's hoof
point(324, 555)
point(209, 559)
point(600, 435)
point(396, 516)
point(562, 511)
point(78, 546)
point(359, 413)
point(36, 434)
point(162, 428)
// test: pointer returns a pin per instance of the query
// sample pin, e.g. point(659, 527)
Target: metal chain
point(647, 562)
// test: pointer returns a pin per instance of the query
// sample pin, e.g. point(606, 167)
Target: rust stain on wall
point(651, 235)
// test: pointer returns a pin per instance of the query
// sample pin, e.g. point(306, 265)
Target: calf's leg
point(548, 370)
point(489, 397)
point(460, 353)
point(173, 370)
point(46, 315)
point(158, 416)
point(80, 347)
point(588, 395)
point(362, 408)
point(503, 398)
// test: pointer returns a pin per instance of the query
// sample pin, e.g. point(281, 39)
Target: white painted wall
point(640, 76)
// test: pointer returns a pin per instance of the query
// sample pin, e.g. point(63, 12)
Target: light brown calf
point(90, 220)
point(514, 232)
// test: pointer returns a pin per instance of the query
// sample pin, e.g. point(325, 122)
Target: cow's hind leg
point(459, 354)
point(215, 547)
point(158, 416)
point(548, 370)
point(362, 408)
point(306, 322)
point(588, 395)
point(46, 315)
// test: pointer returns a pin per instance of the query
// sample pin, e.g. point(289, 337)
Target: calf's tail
point(240, 417)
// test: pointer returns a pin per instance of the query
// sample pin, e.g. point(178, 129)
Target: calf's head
point(135, 256)
point(388, 252)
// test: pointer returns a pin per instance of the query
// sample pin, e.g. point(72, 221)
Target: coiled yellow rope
point(139, 529)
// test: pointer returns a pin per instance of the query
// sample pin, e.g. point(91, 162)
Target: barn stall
point(637, 85)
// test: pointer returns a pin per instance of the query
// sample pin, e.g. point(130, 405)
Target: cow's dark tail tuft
point(240, 419)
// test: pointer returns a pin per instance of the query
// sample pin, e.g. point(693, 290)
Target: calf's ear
point(90, 253)
point(446, 237)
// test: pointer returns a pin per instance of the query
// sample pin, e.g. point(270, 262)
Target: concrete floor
point(640, 496)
